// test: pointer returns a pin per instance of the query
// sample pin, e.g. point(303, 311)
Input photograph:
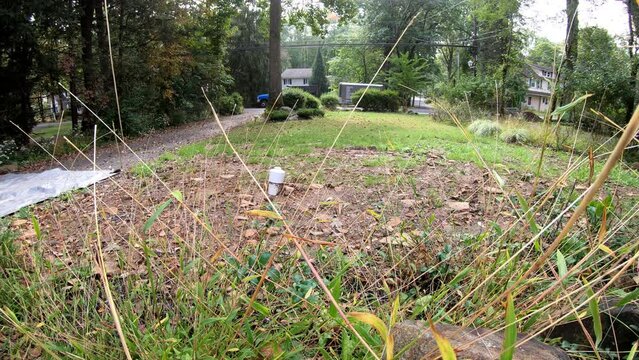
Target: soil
point(150, 146)
point(436, 203)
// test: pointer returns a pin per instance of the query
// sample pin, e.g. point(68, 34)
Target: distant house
point(298, 78)
point(540, 80)
point(347, 89)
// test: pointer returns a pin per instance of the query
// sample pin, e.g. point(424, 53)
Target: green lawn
point(390, 132)
point(52, 131)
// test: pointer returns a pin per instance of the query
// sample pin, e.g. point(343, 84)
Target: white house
point(540, 81)
point(299, 77)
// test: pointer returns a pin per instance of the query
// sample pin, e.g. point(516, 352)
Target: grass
point(51, 131)
point(399, 132)
point(180, 296)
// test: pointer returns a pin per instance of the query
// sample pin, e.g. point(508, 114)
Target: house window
point(530, 100)
point(544, 100)
point(538, 84)
point(305, 81)
point(531, 82)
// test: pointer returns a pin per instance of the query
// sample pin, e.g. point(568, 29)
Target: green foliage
point(377, 100)
point(310, 113)
point(329, 101)
point(484, 128)
point(279, 115)
point(602, 69)
point(515, 136)
point(318, 77)
point(294, 98)
point(545, 53)
point(312, 102)
point(407, 76)
point(230, 104)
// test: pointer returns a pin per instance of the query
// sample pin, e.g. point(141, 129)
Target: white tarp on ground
point(20, 190)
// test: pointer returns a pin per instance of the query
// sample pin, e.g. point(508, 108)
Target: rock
point(285, 108)
point(418, 338)
point(618, 324)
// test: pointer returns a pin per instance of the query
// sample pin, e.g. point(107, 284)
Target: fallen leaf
point(19, 222)
point(264, 213)
point(458, 205)
point(249, 233)
point(408, 202)
point(493, 190)
point(227, 176)
point(394, 221)
point(316, 186)
point(197, 179)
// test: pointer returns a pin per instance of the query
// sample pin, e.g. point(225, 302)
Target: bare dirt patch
point(361, 202)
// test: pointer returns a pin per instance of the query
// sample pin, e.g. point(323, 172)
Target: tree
point(570, 53)
point(407, 76)
point(248, 60)
point(544, 53)
point(274, 55)
point(318, 77)
point(602, 69)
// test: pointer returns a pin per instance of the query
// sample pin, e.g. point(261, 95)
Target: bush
point(310, 113)
point(230, 104)
point(377, 100)
point(278, 115)
point(330, 101)
point(294, 98)
point(312, 102)
point(484, 128)
point(515, 136)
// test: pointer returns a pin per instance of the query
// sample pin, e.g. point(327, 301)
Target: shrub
point(310, 113)
point(294, 98)
point(230, 104)
point(312, 102)
point(515, 136)
point(8, 149)
point(377, 100)
point(278, 115)
point(484, 128)
point(330, 101)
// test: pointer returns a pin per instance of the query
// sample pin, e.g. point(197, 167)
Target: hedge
point(294, 98)
point(377, 100)
point(310, 113)
point(330, 101)
point(230, 104)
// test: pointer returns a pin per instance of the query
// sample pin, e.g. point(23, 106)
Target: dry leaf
point(19, 222)
point(249, 233)
point(227, 176)
point(458, 205)
point(264, 213)
point(394, 221)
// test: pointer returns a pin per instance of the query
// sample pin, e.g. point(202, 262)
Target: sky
point(547, 18)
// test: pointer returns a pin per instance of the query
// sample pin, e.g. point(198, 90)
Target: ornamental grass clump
point(484, 128)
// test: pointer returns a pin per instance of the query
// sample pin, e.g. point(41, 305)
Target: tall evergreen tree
point(319, 82)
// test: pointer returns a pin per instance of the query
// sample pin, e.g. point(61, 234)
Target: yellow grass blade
point(445, 348)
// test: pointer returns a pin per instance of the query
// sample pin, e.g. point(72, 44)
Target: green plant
point(330, 101)
point(279, 115)
point(230, 104)
point(484, 128)
point(310, 113)
point(515, 136)
point(294, 98)
point(377, 100)
point(312, 102)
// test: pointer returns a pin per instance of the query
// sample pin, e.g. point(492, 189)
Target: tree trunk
point(633, 22)
point(87, 8)
point(274, 55)
point(73, 104)
point(103, 49)
point(570, 58)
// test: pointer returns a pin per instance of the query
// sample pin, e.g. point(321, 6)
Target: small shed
point(347, 89)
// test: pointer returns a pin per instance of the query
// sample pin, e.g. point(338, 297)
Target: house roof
point(539, 71)
point(298, 73)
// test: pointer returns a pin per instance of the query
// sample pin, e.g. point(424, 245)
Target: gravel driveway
point(150, 146)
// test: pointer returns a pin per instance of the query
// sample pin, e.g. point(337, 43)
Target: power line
point(345, 44)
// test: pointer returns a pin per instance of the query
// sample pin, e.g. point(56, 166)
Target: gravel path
point(150, 146)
